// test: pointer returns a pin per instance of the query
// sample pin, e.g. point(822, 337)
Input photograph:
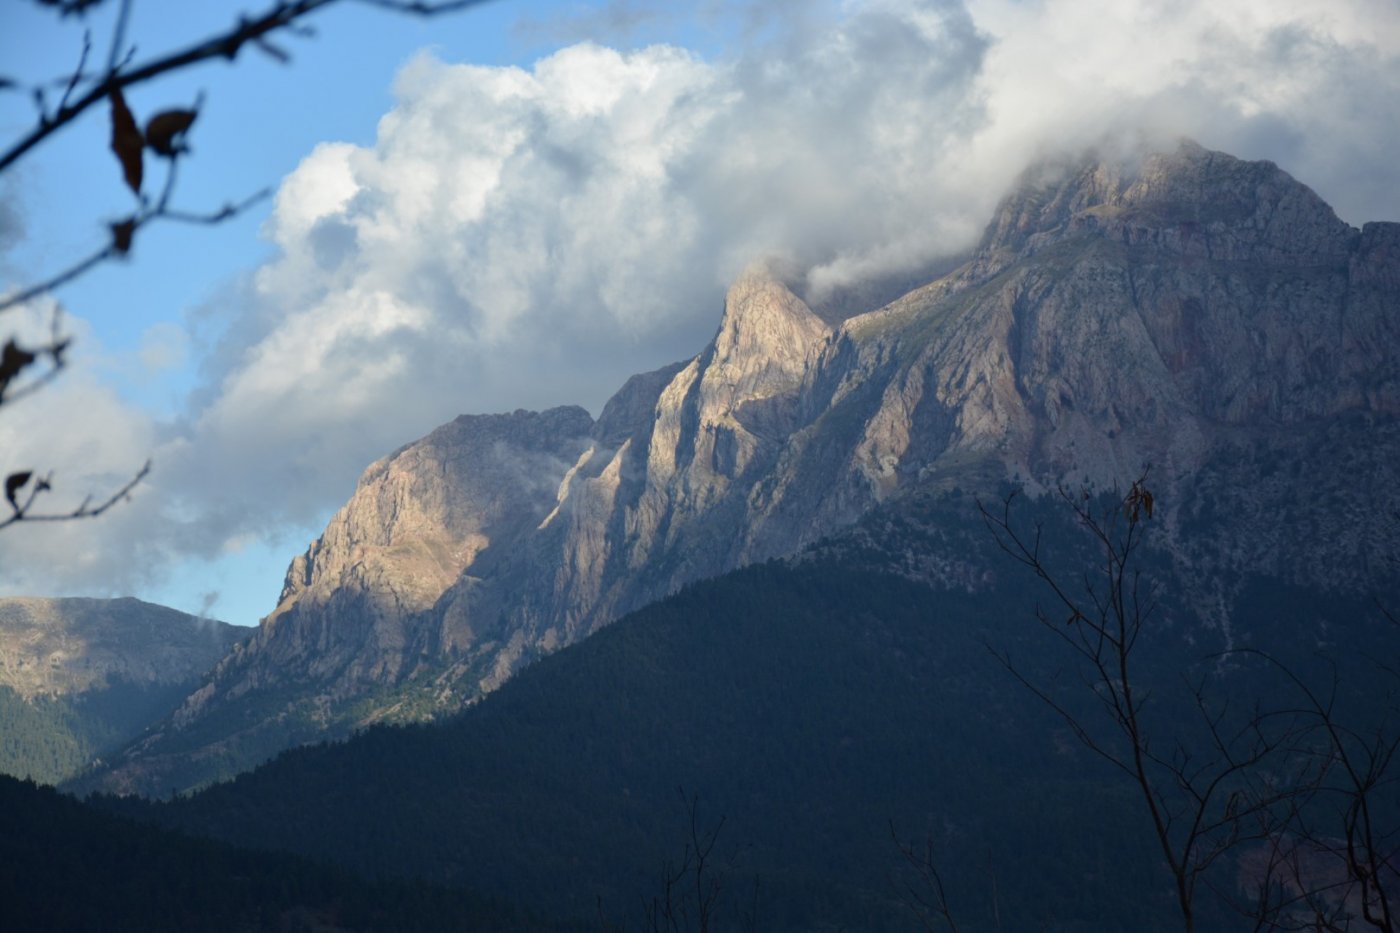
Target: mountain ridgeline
point(1206, 316)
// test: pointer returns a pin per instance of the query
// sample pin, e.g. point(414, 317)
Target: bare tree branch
point(925, 896)
point(123, 235)
point(227, 44)
point(22, 509)
point(691, 888)
point(1200, 800)
point(164, 133)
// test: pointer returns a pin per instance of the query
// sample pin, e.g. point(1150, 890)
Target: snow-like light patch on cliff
point(564, 485)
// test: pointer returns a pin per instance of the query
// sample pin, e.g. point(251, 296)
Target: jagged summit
point(1192, 199)
point(765, 342)
point(1187, 310)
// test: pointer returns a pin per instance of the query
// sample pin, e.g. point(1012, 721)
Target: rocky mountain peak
point(765, 341)
point(1190, 200)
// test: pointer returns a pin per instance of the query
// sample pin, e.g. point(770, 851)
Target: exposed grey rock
point(348, 616)
point(1164, 312)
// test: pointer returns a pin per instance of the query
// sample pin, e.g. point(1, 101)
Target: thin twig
point(118, 38)
point(77, 72)
point(139, 221)
point(23, 510)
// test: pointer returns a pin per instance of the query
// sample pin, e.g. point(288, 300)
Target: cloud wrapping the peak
point(527, 237)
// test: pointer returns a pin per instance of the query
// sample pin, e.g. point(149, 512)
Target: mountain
point(80, 676)
point(1208, 317)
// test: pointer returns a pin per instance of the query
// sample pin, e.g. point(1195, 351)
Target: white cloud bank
point(522, 238)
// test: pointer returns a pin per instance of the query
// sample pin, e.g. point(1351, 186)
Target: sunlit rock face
point(420, 520)
point(1187, 310)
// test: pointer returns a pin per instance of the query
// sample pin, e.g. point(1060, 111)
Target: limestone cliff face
point(60, 647)
point(655, 500)
point(349, 617)
point(1165, 312)
point(1112, 320)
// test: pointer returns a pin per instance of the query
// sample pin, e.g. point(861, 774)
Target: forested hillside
point(52, 738)
point(82, 677)
point(818, 711)
point(68, 867)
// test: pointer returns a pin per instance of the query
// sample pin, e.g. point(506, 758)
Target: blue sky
point(521, 205)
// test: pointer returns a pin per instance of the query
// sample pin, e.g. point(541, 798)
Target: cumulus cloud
point(1311, 85)
point(527, 237)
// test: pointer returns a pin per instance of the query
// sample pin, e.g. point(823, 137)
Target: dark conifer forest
point(821, 720)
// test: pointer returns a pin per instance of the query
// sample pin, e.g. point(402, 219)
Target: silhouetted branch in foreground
point(163, 136)
point(924, 893)
point(1203, 797)
point(23, 489)
point(285, 16)
point(1343, 862)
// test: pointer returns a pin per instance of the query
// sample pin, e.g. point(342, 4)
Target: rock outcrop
point(349, 616)
point(1172, 312)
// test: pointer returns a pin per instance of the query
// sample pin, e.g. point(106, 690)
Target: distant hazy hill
point(78, 676)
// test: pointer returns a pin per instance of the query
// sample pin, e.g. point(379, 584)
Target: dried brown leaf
point(165, 131)
point(122, 232)
point(13, 484)
point(13, 359)
point(126, 141)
